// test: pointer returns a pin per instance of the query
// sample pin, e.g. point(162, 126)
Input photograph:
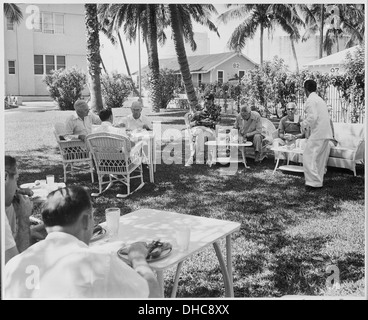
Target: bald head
point(81, 108)
point(245, 112)
point(136, 108)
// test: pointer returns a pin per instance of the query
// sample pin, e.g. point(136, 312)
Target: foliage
point(286, 239)
point(115, 89)
point(169, 84)
point(351, 84)
point(65, 86)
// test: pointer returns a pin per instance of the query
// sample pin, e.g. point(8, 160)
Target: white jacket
point(317, 118)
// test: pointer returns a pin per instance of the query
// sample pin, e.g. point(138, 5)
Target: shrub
point(115, 89)
point(65, 86)
point(169, 84)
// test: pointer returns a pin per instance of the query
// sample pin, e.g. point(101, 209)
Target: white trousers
point(315, 159)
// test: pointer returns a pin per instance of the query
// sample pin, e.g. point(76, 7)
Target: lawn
point(287, 237)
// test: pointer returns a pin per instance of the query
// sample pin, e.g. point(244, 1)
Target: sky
point(113, 58)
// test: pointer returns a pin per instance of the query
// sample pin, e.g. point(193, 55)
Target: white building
point(50, 36)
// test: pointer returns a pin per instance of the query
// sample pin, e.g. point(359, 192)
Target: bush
point(169, 84)
point(65, 86)
point(115, 89)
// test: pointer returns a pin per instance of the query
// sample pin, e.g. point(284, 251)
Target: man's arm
point(10, 245)
point(23, 210)
point(258, 128)
point(137, 255)
point(69, 129)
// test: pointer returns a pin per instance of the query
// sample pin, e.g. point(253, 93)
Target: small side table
point(287, 167)
point(213, 146)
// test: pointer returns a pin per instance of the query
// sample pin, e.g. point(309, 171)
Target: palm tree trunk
point(153, 62)
point(93, 56)
point(321, 32)
point(261, 46)
point(294, 53)
point(127, 65)
point(176, 26)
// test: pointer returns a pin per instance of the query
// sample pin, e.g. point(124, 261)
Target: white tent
point(333, 63)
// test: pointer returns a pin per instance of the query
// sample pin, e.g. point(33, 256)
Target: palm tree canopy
point(13, 12)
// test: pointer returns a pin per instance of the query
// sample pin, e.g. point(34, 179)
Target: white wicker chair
point(75, 154)
point(112, 158)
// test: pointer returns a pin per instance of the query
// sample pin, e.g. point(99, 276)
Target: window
point(38, 64)
point(11, 66)
point(220, 76)
point(50, 64)
point(199, 79)
point(60, 62)
point(44, 64)
point(59, 23)
point(241, 74)
point(50, 23)
point(9, 24)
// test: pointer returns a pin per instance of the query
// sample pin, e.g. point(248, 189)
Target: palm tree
point(181, 24)
point(105, 27)
point(130, 16)
point(13, 12)
point(93, 56)
point(333, 22)
point(288, 18)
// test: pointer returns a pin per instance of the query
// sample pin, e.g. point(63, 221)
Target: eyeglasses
point(290, 109)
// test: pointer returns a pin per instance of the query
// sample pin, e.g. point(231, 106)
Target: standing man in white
point(317, 148)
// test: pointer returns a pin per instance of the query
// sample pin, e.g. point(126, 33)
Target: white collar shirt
point(63, 267)
point(75, 126)
point(133, 124)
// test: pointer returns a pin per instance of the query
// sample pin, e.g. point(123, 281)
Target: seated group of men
point(249, 126)
point(80, 124)
point(62, 266)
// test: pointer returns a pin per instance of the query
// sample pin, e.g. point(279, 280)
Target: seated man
point(137, 120)
point(202, 127)
point(18, 209)
point(249, 124)
point(107, 120)
point(78, 125)
point(63, 266)
point(289, 132)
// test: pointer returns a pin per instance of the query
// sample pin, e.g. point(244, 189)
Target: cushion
point(348, 141)
point(343, 153)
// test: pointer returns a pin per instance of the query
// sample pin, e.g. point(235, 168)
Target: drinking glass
point(183, 237)
point(112, 222)
point(50, 179)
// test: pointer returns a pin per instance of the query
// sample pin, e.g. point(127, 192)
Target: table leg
point(176, 280)
point(229, 292)
point(229, 261)
point(277, 163)
point(160, 279)
point(244, 158)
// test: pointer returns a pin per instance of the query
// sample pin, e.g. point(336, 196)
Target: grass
point(287, 237)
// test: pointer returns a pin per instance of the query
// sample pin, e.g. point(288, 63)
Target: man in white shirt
point(318, 146)
point(137, 120)
point(64, 267)
point(18, 209)
point(79, 125)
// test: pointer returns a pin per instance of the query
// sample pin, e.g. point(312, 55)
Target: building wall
point(231, 67)
point(23, 43)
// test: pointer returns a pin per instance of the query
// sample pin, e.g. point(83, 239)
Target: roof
point(333, 59)
point(198, 64)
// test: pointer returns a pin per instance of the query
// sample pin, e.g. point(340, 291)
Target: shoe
point(310, 188)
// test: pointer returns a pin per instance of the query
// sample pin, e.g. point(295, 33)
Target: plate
point(123, 253)
point(98, 236)
point(30, 186)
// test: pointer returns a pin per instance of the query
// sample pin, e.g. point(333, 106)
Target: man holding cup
point(289, 131)
point(63, 265)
